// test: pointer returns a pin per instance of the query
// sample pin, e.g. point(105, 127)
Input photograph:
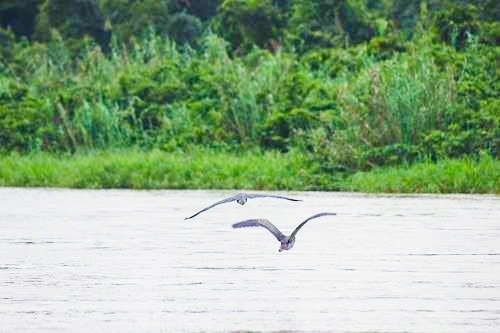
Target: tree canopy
point(270, 24)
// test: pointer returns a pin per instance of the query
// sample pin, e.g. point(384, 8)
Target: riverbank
point(206, 169)
point(199, 168)
point(448, 176)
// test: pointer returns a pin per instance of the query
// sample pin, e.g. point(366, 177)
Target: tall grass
point(211, 169)
point(198, 168)
point(447, 176)
point(417, 96)
point(388, 108)
point(398, 100)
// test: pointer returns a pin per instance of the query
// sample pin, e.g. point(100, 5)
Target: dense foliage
point(351, 83)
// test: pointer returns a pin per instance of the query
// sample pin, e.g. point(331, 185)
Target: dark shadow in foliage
point(184, 28)
point(329, 23)
point(404, 14)
point(73, 19)
point(356, 24)
point(490, 10)
point(202, 9)
point(248, 23)
point(19, 15)
point(280, 127)
point(177, 19)
point(456, 23)
point(384, 47)
point(132, 19)
point(490, 22)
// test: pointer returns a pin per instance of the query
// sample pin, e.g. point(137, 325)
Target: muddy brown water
point(126, 261)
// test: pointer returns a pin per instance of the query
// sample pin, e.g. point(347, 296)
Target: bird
point(287, 242)
point(242, 198)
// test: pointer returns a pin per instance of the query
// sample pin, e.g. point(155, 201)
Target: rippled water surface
point(94, 261)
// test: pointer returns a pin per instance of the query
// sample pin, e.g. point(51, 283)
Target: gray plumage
point(242, 198)
point(286, 241)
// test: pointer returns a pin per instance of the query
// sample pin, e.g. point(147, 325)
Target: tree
point(325, 23)
point(130, 18)
point(73, 19)
point(184, 28)
point(201, 9)
point(252, 22)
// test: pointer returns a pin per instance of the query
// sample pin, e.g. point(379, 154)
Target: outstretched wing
point(233, 198)
point(261, 223)
point(308, 219)
point(257, 195)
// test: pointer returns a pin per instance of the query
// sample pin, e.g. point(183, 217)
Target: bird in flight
point(241, 198)
point(286, 241)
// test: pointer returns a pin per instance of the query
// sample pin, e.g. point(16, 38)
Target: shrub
point(386, 110)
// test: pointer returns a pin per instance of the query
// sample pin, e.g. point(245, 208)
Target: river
point(127, 261)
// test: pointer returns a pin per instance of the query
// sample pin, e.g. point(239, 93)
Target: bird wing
point(257, 195)
point(235, 197)
point(308, 219)
point(261, 223)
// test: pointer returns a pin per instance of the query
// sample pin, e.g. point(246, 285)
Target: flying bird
point(286, 241)
point(241, 198)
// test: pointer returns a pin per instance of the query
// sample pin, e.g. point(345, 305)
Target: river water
point(127, 261)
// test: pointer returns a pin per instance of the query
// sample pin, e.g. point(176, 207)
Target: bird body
point(286, 242)
point(242, 198)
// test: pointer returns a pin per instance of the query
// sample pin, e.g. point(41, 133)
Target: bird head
point(287, 244)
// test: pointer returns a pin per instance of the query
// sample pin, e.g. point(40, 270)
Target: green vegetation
point(157, 169)
point(447, 176)
point(208, 168)
point(328, 88)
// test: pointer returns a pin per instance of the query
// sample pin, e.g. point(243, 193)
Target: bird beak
point(280, 250)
